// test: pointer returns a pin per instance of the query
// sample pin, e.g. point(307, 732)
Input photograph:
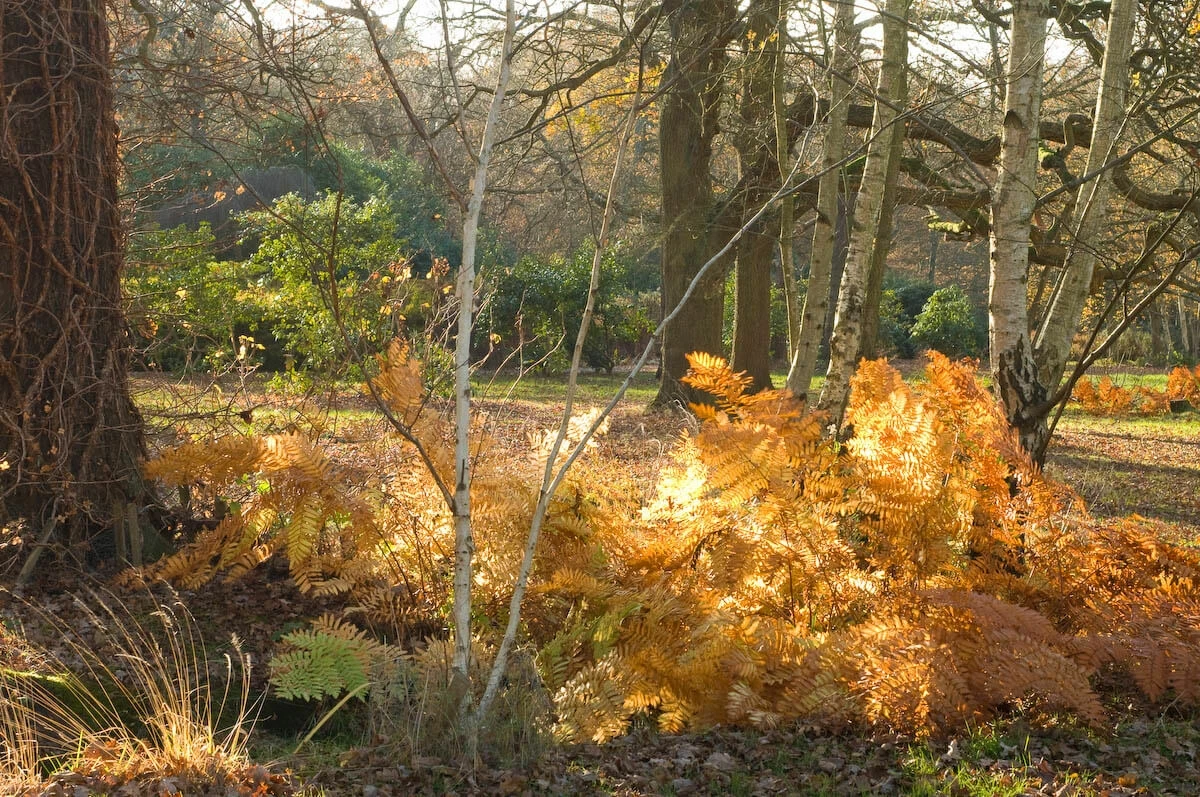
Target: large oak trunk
point(688, 125)
point(760, 178)
point(70, 435)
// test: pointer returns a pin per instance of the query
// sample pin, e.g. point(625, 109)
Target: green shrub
point(947, 324)
point(894, 327)
point(290, 279)
point(534, 308)
point(186, 308)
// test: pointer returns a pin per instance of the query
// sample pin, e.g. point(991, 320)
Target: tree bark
point(69, 432)
point(848, 324)
point(757, 159)
point(1053, 344)
point(820, 282)
point(1185, 338)
point(787, 205)
point(464, 541)
point(1014, 373)
point(687, 126)
point(869, 345)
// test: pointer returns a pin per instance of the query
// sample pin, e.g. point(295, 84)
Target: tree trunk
point(820, 282)
point(688, 123)
point(935, 238)
point(1185, 338)
point(1155, 316)
point(869, 345)
point(787, 205)
point(464, 540)
point(752, 307)
point(848, 324)
point(70, 434)
point(1014, 373)
point(760, 176)
point(1053, 345)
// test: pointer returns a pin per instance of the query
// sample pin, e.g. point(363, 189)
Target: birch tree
point(878, 180)
point(1053, 344)
point(840, 78)
point(464, 544)
point(1014, 372)
point(787, 205)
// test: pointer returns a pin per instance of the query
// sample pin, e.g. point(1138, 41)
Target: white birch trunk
point(1015, 375)
point(816, 300)
point(1053, 345)
point(464, 544)
point(787, 205)
point(848, 323)
point(554, 473)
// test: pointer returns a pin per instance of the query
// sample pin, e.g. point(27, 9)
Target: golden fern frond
point(399, 381)
point(711, 374)
point(296, 483)
point(217, 462)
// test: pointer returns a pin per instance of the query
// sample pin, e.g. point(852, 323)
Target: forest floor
point(1148, 467)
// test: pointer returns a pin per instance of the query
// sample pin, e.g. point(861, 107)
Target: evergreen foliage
point(534, 308)
point(947, 324)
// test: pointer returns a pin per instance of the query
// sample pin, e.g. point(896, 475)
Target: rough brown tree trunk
point(687, 126)
point(70, 436)
point(752, 307)
point(760, 176)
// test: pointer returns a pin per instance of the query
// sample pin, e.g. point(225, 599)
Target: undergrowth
point(921, 576)
point(1107, 398)
point(125, 701)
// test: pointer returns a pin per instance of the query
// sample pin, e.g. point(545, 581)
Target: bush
point(947, 324)
point(534, 309)
point(288, 278)
point(894, 327)
point(183, 305)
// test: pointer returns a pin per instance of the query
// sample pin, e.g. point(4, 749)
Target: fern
point(1184, 385)
point(327, 660)
point(922, 575)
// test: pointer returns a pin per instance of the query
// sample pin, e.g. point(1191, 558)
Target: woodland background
point(328, 396)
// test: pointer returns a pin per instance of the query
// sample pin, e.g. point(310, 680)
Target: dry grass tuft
point(126, 700)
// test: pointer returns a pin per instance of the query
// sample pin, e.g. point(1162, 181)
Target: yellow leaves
point(296, 481)
point(1106, 398)
point(1184, 385)
point(399, 381)
point(922, 575)
point(542, 442)
point(712, 374)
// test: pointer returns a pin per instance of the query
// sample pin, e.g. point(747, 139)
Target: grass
point(138, 700)
point(1184, 424)
point(593, 388)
